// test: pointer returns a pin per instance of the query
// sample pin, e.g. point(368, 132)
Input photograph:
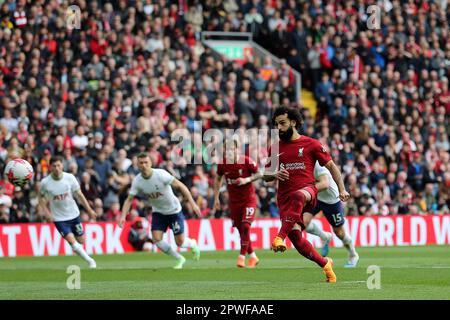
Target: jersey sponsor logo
point(293, 166)
point(300, 152)
point(155, 195)
point(60, 197)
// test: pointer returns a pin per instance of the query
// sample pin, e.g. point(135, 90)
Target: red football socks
point(249, 245)
point(286, 225)
point(293, 215)
point(305, 248)
point(246, 246)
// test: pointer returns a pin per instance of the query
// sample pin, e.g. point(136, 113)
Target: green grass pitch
point(406, 273)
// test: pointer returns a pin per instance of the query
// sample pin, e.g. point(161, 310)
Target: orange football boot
point(241, 262)
point(252, 262)
point(328, 270)
point(278, 244)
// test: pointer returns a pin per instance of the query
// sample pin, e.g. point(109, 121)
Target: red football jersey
point(244, 168)
point(298, 157)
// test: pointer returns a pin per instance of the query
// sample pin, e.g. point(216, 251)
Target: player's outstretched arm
point(337, 177)
point(247, 180)
point(281, 175)
point(80, 196)
point(217, 183)
point(125, 209)
point(177, 184)
point(322, 183)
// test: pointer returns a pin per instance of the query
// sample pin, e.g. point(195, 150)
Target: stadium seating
point(136, 71)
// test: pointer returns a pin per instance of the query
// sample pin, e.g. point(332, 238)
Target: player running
point(238, 170)
point(296, 184)
point(329, 203)
point(157, 184)
point(57, 189)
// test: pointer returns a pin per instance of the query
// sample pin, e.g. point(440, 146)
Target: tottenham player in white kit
point(58, 189)
point(329, 203)
point(157, 185)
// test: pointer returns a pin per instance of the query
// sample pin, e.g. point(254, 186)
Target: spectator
point(200, 181)
point(110, 191)
point(113, 214)
point(139, 237)
point(205, 110)
point(244, 109)
point(99, 211)
point(5, 200)
point(88, 188)
point(102, 166)
point(430, 200)
point(80, 140)
point(313, 57)
point(323, 94)
point(10, 122)
point(264, 202)
point(4, 214)
point(416, 173)
point(123, 162)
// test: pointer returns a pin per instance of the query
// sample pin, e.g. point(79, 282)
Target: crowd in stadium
point(137, 70)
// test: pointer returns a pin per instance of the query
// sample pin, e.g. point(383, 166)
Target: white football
point(19, 172)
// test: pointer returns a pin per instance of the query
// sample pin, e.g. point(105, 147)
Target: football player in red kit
point(239, 171)
point(297, 193)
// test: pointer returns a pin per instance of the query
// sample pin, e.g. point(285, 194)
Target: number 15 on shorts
point(249, 212)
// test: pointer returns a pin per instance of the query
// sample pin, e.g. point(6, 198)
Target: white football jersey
point(60, 194)
point(330, 195)
point(159, 191)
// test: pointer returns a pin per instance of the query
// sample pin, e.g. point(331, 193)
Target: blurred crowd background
point(137, 70)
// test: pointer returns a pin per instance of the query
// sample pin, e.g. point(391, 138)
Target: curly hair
point(292, 114)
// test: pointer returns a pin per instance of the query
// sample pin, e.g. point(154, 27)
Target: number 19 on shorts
point(249, 212)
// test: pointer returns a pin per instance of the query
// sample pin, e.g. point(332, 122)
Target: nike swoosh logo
point(269, 159)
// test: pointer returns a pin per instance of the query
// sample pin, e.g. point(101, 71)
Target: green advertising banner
point(233, 52)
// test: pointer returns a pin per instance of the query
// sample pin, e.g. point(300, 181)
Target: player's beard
point(286, 135)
